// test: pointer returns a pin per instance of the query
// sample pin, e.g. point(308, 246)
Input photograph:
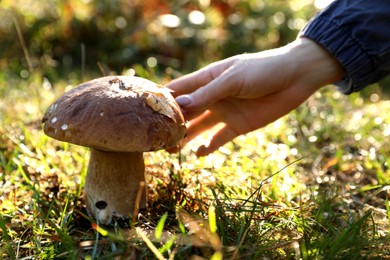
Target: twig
point(23, 43)
point(149, 243)
point(82, 46)
point(140, 192)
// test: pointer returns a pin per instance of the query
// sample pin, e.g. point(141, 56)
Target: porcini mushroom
point(119, 118)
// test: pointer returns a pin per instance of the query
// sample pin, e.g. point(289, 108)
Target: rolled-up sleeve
point(357, 34)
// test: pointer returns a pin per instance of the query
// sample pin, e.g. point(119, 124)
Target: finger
point(200, 125)
point(195, 127)
point(221, 137)
point(174, 149)
point(197, 79)
point(204, 97)
point(190, 82)
point(190, 115)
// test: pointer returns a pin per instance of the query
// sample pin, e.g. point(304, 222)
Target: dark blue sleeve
point(357, 33)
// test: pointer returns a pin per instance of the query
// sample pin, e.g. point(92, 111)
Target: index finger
point(191, 82)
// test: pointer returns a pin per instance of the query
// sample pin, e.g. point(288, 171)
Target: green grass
point(315, 184)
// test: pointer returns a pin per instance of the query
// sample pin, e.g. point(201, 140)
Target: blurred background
point(76, 40)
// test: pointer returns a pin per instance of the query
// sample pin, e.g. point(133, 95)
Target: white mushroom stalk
point(114, 179)
point(119, 118)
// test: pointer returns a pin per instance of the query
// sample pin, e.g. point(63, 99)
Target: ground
point(313, 184)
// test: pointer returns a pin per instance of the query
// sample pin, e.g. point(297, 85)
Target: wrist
point(316, 66)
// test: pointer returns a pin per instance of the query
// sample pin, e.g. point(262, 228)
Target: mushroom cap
point(116, 113)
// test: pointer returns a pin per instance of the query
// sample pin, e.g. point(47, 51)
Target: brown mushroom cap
point(116, 113)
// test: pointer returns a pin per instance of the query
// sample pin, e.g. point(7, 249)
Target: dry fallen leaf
point(160, 104)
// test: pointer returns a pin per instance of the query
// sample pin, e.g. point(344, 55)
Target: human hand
point(249, 91)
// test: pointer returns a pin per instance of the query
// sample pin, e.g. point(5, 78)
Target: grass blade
point(160, 226)
point(212, 219)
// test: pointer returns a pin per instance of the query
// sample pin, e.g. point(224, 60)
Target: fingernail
point(184, 100)
point(202, 151)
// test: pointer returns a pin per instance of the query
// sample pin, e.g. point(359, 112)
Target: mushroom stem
point(113, 181)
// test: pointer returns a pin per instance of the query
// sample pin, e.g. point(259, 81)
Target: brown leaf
point(160, 104)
